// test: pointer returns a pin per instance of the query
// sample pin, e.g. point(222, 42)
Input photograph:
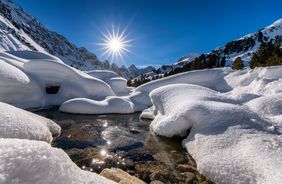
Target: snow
point(21, 124)
point(29, 161)
point(118, 105)
point(207, 78)
point(230, 121)
point(25, 75)
point(117, 83)
point(17, 88)
point(231, 115)
point(148, 113)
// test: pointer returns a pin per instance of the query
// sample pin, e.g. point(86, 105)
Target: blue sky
point(162, 30)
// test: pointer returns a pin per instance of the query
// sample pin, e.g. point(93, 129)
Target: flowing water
point(95, 142)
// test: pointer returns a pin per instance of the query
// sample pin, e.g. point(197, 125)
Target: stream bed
point(96, 142)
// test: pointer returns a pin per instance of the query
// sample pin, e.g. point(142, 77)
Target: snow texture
point(117, 105)
point(235, 125)
point(21, 124)
point(29, 162)
point(25, 76)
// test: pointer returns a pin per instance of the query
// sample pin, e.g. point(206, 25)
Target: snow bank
point(209, 78)
point(73, 83)
point(21, 124)
point(225, 137)
point(34, 55)
point(235, 130)
point(26, 75)
point(119, 105)
point(102, 74)
point(28, 162)
point(117, 83)
point(18, 88)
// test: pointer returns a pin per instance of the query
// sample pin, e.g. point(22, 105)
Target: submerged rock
point(120, 176)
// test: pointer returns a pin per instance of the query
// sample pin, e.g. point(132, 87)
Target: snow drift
point(117, 105)
point(231, 115)
point(26, 76)
point(21, 124)
point(29, 161)
point(235, 127)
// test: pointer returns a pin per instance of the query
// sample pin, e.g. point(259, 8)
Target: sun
point(115, 44)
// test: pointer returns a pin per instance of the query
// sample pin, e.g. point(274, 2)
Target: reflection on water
point(95, 142)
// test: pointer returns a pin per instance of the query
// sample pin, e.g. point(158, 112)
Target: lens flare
point(115, 44)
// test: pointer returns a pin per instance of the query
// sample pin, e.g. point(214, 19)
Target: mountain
point(243, 47)
point(21, 31)
point(187, 58)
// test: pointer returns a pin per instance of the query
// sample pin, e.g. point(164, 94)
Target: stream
point(96, 142)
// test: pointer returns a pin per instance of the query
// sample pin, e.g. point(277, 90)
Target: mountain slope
point(21, 31)
point(243, 47)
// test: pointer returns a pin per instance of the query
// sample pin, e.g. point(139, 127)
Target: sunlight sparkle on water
point(103, 152)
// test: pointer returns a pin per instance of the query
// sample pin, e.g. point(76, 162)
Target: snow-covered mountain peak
point(277, 24)
point(187, 58)
point(243, 47)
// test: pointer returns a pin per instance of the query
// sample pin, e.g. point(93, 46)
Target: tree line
point(269, 53)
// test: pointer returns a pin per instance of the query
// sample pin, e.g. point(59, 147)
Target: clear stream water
point(95, 142)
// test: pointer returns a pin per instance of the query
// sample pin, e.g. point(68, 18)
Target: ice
point(29, 162)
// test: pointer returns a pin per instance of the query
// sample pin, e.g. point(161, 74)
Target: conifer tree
point(238, 64)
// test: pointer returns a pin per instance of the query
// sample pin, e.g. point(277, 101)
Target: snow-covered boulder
point(21, 124)
point(25, 77)
point(117, 83)
point(73, 83)
point(236, 136)
point(29, 162)
point(18, 88)
point(112, 104)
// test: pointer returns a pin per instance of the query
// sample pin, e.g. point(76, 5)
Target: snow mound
point(267, 105)
point(28, 162)
point(207, 78)
point(224, 138)
point(117, 83)
point(102, 74)
point(148, 114)
point(112, 104)
point(235, 126)
point(73, 83)
point(34, 55)
point(17, 87)
point(26, 76)
point(18, 123)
